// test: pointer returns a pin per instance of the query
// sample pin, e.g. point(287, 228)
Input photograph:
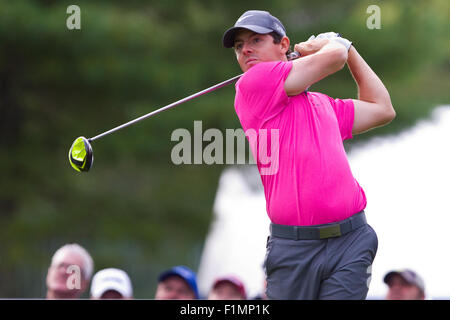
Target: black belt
point(329, 230)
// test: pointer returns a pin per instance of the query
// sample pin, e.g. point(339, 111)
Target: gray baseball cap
point(410, 276)
point(257, 21)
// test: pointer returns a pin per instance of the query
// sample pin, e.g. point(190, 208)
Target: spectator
point(179, 282)
point(111, 283)
point(69, 273)
point(228, 288)
point(404, 285)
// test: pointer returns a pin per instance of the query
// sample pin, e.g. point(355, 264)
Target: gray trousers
point(335, 268)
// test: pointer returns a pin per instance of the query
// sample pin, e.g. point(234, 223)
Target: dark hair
point(277, 39)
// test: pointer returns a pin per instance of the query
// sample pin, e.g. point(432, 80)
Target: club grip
point(293, 55)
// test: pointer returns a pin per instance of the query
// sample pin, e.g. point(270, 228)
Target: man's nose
point(396, 286)
point(246, 48)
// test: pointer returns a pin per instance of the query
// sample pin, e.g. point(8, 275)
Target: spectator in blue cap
point(177, 283)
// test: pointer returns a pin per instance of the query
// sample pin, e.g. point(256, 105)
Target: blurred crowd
point(71, 274)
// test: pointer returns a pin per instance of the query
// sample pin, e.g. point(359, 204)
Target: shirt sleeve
point(260, 92)
point(345, 114)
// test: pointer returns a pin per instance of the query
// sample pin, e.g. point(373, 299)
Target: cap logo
point(245, 17)
point(113, 279)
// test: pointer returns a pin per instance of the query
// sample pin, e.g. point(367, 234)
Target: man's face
point(174, 288)
point(252, 48)
point(400, 289)
point(112, 294)
point(225, 291)
point(70, 264)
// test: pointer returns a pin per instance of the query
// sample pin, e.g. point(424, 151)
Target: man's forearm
point(370, 87)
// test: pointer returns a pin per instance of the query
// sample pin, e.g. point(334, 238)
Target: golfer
point(320, 245)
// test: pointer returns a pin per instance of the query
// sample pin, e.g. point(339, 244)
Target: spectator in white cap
point(111, 283)
point(404, 285)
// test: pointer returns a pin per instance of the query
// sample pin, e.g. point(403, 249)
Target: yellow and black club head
point(81, 156)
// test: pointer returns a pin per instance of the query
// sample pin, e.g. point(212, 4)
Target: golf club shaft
point(193, 96)
point(291, 56)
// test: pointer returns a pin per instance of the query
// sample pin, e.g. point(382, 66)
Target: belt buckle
point(330, 231)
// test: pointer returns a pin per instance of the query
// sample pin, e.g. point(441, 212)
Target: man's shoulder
point(264, 74)
point(265, 67)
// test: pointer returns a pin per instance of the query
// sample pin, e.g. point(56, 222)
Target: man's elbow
point(389, 113)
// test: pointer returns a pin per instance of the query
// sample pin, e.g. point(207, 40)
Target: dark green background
point(136, 210)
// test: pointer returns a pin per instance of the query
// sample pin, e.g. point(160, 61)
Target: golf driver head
point(81, 156)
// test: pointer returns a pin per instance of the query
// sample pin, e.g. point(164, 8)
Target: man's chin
point(62, 289)
point(247, 66)
point(67, 294)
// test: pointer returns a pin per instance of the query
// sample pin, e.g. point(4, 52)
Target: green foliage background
point(136, 210)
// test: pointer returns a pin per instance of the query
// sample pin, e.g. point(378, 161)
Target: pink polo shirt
point(310, 181)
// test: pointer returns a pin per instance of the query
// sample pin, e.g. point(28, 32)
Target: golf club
point(81, 156)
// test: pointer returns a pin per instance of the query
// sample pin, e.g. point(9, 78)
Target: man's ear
point(285, 44)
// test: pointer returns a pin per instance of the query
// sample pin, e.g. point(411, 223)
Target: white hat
point(111, 279)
